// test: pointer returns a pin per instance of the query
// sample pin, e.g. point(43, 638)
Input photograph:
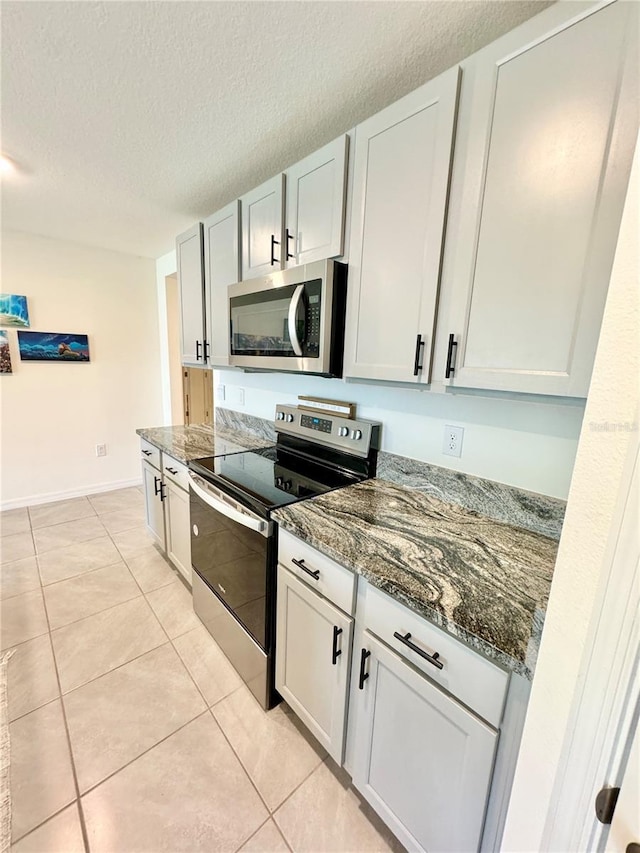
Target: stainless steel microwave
point(292, 320)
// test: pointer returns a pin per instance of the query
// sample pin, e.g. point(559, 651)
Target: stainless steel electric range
point(234, 540)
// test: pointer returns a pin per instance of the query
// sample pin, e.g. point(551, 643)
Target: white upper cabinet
point(263, 229)
point(190, 267)
point(400, 184)
point(221, 268)
point(316, 205)
point(546, 129)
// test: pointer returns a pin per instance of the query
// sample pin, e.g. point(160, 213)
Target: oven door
point(229, 552)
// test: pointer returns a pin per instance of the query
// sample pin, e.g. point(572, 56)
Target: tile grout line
point(83, 828)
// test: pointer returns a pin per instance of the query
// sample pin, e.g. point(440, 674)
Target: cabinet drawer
point(175, 471)
point(465, 674)
point(150, 453)
point(333, 581)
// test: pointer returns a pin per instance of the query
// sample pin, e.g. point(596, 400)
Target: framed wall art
point(5, 354)
point(14, 310)
point(53, 346)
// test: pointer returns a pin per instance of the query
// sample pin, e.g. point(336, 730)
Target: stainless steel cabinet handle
point(335, 651)
point(450, 369)
point(300, 564)
point(364, 654)
point(406, 639)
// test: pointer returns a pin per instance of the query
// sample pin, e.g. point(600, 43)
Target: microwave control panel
point(313, 291)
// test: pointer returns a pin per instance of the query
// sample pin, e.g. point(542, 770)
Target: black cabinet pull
point(162, 494)
point(156, 484)
point(147, 452)
point(171, 470)
point(453, 345)
point(206, 351)
point(274, 243)
point(300, 564)
point(198, 346)
point(364, 654)
point(406, 639)
point(336, 652)
point(417, 367)
point(289, 237)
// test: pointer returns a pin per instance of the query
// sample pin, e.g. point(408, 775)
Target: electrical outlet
point(241, 396)
point(101, 449)
point(220, 393)
point(453, 436)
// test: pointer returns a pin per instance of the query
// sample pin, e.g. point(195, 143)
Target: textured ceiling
point(134, 119)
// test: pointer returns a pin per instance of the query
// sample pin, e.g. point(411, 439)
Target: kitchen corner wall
point(524, 442)
point(53, 415)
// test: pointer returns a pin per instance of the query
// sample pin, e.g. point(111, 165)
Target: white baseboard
point(33, 500)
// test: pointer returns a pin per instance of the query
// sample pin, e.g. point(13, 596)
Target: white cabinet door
point(546, 129)
point(221, 268)
point(262, 212)
point(316, 205)
point(190, 267)
point(178, 528)
point(154, 505)
point(313, 652)
point(400, 184)
point(422, 760)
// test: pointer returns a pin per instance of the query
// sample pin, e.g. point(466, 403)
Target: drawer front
point(150, 453)
point(333, 581)
point(471, 678)
point(175, 471)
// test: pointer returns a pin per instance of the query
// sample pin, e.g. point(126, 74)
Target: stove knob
point(356, 435)
point(279, 482)
point(343, 432)
point(280, 416)
point(288, 485)
point(289, 419)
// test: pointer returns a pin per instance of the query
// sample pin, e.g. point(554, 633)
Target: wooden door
point(316, 205)
point(198, 395)
point(313, 651)
point(423, 761)
point(190, 267)
point(262, 212)
point(400, 185)
point(546, 131)
point(222, 267)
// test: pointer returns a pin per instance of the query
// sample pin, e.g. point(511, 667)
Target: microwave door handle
point(246, 520)
point(291, 321)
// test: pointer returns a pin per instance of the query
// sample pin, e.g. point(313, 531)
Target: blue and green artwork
point(13, 310)
point(53, 346)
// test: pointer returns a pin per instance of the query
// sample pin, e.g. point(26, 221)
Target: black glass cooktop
point(273, 477)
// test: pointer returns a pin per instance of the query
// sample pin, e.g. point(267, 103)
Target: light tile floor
point(130, 730)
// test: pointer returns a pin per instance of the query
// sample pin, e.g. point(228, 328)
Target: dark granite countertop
point(484, 581)
point(199, 440)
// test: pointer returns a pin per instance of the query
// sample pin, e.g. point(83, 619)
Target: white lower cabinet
point(427, 728)
point(153, 502)
point(166, 500)
point(178, 528)
point(422, 760)
point(313, 653)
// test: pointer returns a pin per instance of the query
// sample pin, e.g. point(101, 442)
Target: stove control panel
point(353, 436)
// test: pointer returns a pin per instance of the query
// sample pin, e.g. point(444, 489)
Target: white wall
point(53, 415)
point(525, 443)
point(611, 413)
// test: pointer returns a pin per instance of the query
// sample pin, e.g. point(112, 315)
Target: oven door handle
point(243, 518)
point(291, 320)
